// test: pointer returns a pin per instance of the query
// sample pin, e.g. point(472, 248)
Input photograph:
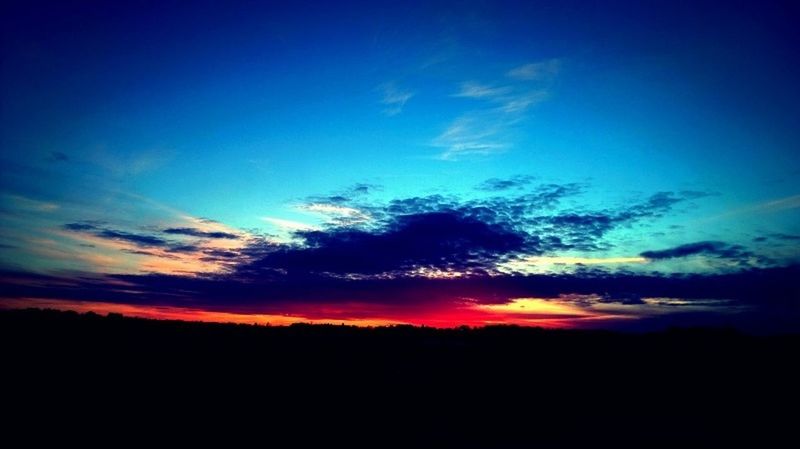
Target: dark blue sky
point(638, 137)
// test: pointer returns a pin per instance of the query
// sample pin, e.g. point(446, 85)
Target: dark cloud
point(98, 230)
point(221, 253)
point(498, 185)
point(657, 205)
point(363, 189)
point(440, 232)
point(145, 242)
point(709, 248)
point(184, 249)
point(777, 236)
point(349, 194)
point(142, 252)
point(789, 237)
point(194, 232)
point(80, 227)
point(515, 211)
point(585, 231)
point(772, 292)
point(112, 234)
point(383, 263)
point(137, 239)
point(447, 233)
point(442, 240)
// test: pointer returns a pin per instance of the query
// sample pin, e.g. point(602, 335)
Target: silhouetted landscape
point(494, 386)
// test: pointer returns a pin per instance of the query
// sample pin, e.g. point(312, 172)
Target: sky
point(621, 165)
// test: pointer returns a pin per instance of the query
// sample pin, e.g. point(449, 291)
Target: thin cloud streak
point(395, 98)
point(490, 129)
point(289, 225)
point(472, 89)
point(536, 71)
point(470, 136)
point(766, 207)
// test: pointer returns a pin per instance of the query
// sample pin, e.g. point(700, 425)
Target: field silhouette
point(499, 386)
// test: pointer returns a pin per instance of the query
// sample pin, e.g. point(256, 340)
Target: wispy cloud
point(545, 264)
point(470, 136)
point(709, 248)
point(394, 98)
point(499, 185)
point(792, 202)
point(137, 235)
point(194, 232)
point(536, 71)
point(521, 103)
point(472, 89)
point(489, 129)
point(180, 249)
point(337, 215)
point(19, 202)
point(766, 207)
point(289, 225)
point(130, 164)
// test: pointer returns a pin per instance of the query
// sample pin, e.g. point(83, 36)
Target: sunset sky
point(623, 165)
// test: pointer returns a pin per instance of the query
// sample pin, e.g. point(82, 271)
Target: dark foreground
point(75, 377)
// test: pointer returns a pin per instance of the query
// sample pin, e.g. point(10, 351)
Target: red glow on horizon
point(522, 312)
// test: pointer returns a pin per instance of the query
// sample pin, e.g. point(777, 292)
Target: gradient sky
point(618, 164)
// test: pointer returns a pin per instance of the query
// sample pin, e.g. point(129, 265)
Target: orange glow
point(521, 311)
point(535, 306)
point(115, 256)
point(182, 313)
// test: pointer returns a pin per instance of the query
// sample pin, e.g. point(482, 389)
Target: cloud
point(345, 195)
point(472, 136)
point(792, 202)
point(490, 129)
point(442, 240)
point(80, 227)
point(499, 185)
point(432, 259)
point(538, 213)
point(337, 214)
point(19, 202)
point(709, 248)
point(446, 301)
point(536, 264)
point(585, 230)
point(521, 103)
point(194, 232)
point(394, 97)
point(472, 89)
point(112, 234)
point(766, 207)
point(536, 71)
point(123, 164)
point(447, 223)
point(782, 236)
point(193, 250)
point(289, 225)
point(375, 236)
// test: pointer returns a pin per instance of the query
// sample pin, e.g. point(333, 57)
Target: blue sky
point(140, 116)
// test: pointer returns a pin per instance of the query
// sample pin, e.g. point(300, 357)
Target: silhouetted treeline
point(500, 386)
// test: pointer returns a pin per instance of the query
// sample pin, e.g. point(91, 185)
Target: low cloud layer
point(437, 259)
